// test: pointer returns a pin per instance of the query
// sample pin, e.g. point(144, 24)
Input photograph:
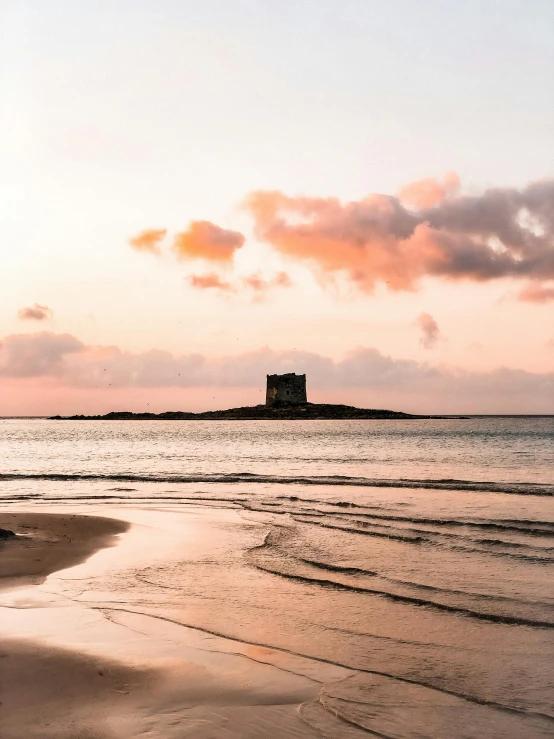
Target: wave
point(512, 488)
point(369, 527)
point(410, 600)
point(354, 571)
point(506, 525)
point(431, 538)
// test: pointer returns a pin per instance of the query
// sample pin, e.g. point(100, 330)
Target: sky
point(195, 194)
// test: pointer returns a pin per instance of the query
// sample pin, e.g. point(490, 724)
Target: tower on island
point(289, 389)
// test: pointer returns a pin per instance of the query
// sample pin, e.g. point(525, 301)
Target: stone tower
point(286, 389)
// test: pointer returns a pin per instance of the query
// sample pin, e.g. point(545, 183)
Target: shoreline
point(70, 666)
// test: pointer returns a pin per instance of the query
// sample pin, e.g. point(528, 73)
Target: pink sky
point(189, 208)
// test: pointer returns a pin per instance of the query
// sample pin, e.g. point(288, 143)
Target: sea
point(417, 555)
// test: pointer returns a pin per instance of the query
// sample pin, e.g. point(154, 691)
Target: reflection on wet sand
point(290, 618)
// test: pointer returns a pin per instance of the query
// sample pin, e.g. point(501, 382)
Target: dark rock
point(6, 534)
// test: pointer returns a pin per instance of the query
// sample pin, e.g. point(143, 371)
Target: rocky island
point(309, 411)
point(286, 399)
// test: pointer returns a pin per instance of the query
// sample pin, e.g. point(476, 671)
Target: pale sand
point(95, 666)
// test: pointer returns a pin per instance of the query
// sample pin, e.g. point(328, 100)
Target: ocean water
point(511, 455)
point(416, 555)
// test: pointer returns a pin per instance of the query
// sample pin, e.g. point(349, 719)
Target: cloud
point(205, 240)
point(430, 192)
point(149, 240)
point(35, 313)
point(534, 293)
point(35, 355)
point(255, 282)
point(429, 328)
point(210, 281)
point(72, 364)
point(504, 232)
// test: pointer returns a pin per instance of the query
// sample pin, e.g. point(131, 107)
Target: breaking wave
point(511, 488)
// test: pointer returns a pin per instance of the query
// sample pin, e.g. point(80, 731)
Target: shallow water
point(416, 556)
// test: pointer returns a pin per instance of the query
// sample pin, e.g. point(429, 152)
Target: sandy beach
point(46, 690)
point(208, 621)
point(49, 542)
point(88, 663)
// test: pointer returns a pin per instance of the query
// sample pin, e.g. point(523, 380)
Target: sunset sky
point(197, 193)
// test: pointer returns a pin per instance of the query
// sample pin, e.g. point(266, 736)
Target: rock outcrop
point(307, 411)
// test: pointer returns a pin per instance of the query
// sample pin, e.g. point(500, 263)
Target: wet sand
point(278, 618)
point(47, 691)
point(51, 692)
point(69, 671)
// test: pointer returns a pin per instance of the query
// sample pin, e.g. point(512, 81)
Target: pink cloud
point(429, 328)
point(205, 240)
point(35, 312)
point(430, 192)
point(259, 284)
point(504, 232)
point(254, 282)
point(536, 293)
point(34, 355)
point(148, 240)
point(209, 282)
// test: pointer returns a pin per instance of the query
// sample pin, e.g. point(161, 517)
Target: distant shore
point(308, 411)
